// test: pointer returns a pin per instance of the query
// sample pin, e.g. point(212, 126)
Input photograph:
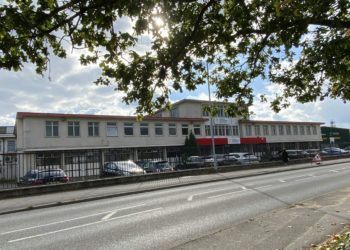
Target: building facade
point(7, 152)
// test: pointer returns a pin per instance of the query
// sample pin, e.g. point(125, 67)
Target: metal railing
point(18, 169)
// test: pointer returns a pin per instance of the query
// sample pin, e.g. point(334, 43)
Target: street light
point(211, 120)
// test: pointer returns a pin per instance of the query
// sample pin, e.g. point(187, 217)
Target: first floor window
point(302, 130)
point(144, 129)
point(235, 130)
point(295, 130)
point(314, 131)
point(172, 129)
point(112, 129)
point(308, 130)
point(51, 128)
point(73, 128)
point(93, 129)
point(257, 130)
point(184, 129)
point(128, 128)
point(273, 130)
point(207, 130)
point(159, 129)
point(197, 129)
point(281, 129)
point(11, 146)
point(266, 129)
point(248, 130)
point(288, 130)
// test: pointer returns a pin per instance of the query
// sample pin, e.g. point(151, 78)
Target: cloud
point(320, 111)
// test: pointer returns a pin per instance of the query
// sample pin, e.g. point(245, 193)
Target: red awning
point(253, 140)
point(207, 141)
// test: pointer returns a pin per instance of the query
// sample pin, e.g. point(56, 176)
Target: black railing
point(21, 169)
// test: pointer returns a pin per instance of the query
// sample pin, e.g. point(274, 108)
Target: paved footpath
point(69, 197)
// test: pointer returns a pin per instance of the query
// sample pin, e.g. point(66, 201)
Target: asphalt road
point(167, 219)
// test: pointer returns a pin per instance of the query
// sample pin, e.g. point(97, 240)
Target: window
point(73, 129)
point(51, 128)
point(184, 129)
point(229, 130)
point(197, 129)
point(257, 130)
point(314, 130)
point(302, 130)
point(172, 129)
point(128, 128)
point(159, 129)
point(273, 130)
point(295, 130)
point(112, 129)
point(144, 129)
point(207, 130)
point(280, 129)
point(248, 130)
point(266, 129)
point(93, 129)
point(174, 112)
point(11, 146)
point(308, 130)
point(235, 130)
point(288, 130)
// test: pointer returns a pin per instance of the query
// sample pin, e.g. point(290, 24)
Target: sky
point(70, 89)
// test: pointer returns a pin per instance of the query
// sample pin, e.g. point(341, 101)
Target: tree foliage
point(191, 147)
point(304, 46)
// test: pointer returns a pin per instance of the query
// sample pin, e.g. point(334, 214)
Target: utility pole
point(211, 121)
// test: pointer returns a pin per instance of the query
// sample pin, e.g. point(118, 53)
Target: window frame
point(110, 126)
point(129, 125)
point(51, 125)
point(95, 126)
point(158, 129)
point(73, 125)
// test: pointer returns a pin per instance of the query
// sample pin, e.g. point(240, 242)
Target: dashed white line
point(263, 187)
point(190, 198)
point(83, 225)
point(62, 221)
point(282, 180)
point(225, 194)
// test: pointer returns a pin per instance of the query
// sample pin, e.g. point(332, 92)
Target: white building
point(61, 139)
point(7, 152)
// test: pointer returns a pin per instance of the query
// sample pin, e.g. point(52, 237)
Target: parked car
point(292, 154)
point(154, 166)
point(39, 177)
point(244, 158)
point(229, 160)
point(334, 151)
point(313, 152)
point(193, 162)
point(347, 149)
point(122, 168)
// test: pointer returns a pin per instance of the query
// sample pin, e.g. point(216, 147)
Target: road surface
point(171, 218)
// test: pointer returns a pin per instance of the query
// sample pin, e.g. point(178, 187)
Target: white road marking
point(230, 193)
point(78, 218)
point(334, 171)
point(190, 198)
point(263, 187)
point(109, 215)
point(83, 225)
point(305, 177)
point(282, 180)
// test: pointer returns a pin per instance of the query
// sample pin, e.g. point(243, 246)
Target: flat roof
point(21, 115)
point(280, 122)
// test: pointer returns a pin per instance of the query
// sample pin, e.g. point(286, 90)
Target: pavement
point(13, 205)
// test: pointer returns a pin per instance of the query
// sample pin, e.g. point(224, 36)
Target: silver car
point(244, 158)
point(122, 168)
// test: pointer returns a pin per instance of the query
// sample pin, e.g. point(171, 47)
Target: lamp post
point(211, 121)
